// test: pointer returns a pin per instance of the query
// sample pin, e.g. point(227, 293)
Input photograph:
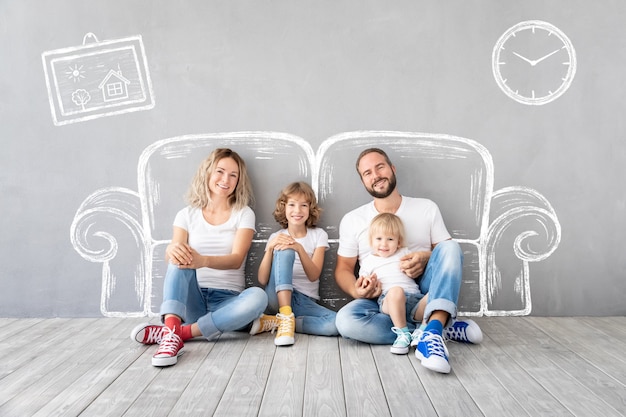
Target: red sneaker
point(148, 334)
point(170, 348)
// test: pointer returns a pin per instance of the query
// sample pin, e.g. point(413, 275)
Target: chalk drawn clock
point(534, 62)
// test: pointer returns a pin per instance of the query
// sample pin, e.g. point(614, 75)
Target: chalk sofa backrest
point(500, 231)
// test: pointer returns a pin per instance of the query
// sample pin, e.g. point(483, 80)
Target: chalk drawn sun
point(75, 74)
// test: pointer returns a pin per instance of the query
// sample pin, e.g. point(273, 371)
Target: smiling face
point(384, 244)
point(224, 178)
point(377, 175)
point(297, 210)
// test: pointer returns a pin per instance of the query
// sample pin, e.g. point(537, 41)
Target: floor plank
point(244, 392)
point(284, 392)
point(490, 395)
point(406, 396)
point(526, 366)
point(81, 357)
point(364, 395)
point(324, 391)
point(204, 391)
point(542, 365)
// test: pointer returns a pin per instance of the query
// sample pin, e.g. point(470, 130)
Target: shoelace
point(285, 325)
point(435, 344)
point(155, 334)
point(405, 336)
point(454, 334)
point(269, 325)
point(170, 344)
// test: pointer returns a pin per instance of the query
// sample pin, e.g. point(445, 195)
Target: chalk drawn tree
point(80, 97)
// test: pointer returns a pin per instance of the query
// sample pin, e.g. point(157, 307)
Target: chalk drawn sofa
point(501, 232)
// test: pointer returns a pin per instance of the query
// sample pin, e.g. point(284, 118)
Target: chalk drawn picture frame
point(97, 79)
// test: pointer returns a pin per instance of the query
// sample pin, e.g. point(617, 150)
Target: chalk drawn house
point(500, 231)
point(114, 86)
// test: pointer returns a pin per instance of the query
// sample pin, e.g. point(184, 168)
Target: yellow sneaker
point(265, 323)
point(285, 335)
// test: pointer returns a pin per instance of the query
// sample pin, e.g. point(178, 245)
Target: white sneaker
point(465, 331)
point(402, 342)
point(431, 350)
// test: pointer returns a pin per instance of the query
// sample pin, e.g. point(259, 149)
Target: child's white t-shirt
point(388, 271)
point(315, 237)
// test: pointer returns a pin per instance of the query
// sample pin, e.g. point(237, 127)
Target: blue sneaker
point(432, 352)
point(402, 343)
point(466, 331)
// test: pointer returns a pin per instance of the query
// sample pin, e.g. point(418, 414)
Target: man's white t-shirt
point(216, 240)
point(315, 237)
point(422, 220)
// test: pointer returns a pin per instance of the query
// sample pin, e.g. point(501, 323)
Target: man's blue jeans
point(311, 318)
point(215, 310)
point(362, 320)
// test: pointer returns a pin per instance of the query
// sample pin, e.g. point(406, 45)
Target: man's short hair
point(372, 150)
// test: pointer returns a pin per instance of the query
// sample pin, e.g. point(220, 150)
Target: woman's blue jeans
point(215, 310)
point(311, 318)
point(362, 320)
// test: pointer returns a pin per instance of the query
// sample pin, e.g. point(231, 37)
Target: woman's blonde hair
point(295, 189)
point(198, 194)
point(388, 223)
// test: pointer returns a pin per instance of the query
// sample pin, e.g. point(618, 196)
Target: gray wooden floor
point(526, 366)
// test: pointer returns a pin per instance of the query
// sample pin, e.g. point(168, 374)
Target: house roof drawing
point(112, 73)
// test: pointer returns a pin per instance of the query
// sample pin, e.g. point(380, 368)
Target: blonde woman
point(204, 289)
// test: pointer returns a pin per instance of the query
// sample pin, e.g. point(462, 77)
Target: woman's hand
point(197, 261)
point(180, 254)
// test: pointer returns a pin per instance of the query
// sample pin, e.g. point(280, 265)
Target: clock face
point(534, 62)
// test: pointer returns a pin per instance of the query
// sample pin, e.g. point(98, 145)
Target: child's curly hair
point(298, 188)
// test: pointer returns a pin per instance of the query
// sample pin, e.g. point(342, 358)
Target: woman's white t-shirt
point(216, 240)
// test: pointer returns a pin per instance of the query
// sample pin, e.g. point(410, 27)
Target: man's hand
point(368, 287)
point(414, 264)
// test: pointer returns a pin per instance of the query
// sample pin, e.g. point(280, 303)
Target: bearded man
point(435, 261)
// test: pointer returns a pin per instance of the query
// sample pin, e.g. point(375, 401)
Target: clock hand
point(524, 58)
point(535, 62)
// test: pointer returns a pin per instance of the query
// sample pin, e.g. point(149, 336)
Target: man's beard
point(391, 185)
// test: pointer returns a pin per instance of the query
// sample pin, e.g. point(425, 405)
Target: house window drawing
point(97, 79)
point(114, 86)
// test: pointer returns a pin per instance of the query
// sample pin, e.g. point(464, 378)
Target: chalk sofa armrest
point(107, 222)
point(522, 225)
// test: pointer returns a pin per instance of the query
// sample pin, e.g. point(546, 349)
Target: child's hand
point(368, 287)
point(282, 241)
